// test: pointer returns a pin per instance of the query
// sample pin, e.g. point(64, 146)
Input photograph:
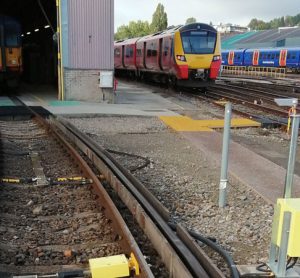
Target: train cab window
point(198, 42)
point(12, 35)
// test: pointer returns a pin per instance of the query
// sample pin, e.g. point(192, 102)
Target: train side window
point(293, 56)
point(260, 55)
point(117, 52)
point(166, 48)
point(172, 49)
point(277, 56)
point(154, 53)
point(269, 56)
point(288, 56)
point(129, 52)
point(139, 52)
point(149, 53)
point(272, 56)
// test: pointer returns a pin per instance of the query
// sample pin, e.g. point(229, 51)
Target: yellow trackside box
point(293, 206)
point(109, 267)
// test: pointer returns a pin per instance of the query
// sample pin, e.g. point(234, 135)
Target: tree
point(256, 24)
point(123, 32)
point(191, 20)
point(159, 19)
point(288, 20)
point(132, 30)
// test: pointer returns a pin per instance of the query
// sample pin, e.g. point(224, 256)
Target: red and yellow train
point(188, 56)
point(10, 51)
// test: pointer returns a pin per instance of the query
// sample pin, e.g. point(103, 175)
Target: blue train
point(269, 57)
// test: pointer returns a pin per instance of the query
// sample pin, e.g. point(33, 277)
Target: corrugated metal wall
point(91, 34)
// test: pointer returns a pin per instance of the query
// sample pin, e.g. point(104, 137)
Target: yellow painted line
point(183, 123)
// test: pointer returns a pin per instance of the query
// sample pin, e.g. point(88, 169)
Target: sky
point(217, 11)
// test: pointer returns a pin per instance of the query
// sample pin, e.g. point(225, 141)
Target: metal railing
point(255, 71)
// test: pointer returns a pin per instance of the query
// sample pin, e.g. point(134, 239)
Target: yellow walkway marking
point(183, 123)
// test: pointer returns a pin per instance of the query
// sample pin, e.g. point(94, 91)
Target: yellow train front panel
point(13, 58)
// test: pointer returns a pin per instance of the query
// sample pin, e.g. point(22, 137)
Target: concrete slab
point(130, 99)
point(253, 170)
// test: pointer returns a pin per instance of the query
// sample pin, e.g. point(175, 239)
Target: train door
point(144, 54)
point(255, 60)
point(166, 53)
point(282, 57)
point(231, 58)
point(160, 54)
point(123, 56)
point(2, 49)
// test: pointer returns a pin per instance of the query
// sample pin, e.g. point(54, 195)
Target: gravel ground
point(47, 226)
point(186, 182)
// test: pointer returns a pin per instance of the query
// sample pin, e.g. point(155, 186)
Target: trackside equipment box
point(293, 206)
point(108, 267)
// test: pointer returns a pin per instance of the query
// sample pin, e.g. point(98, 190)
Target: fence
point(254, 71)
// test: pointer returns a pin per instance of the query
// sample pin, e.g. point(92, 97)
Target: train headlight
point(216, 58)
point(181, 58)
point(13, 62)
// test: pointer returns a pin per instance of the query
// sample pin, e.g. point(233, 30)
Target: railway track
point(256, 103)
point(56, 212)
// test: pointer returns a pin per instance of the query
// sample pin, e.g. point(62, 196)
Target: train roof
point(235, 50)
point(171, 30)
point(126, 41)
point(273, 49)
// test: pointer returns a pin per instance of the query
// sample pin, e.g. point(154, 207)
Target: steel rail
point(264, 91)
point(150, 214)
point(247, 92)
point(275, 111)
point(121, 230)
point(213, 99)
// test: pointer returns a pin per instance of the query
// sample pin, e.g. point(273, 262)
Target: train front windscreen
point(198, 42)
point(12, 34)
